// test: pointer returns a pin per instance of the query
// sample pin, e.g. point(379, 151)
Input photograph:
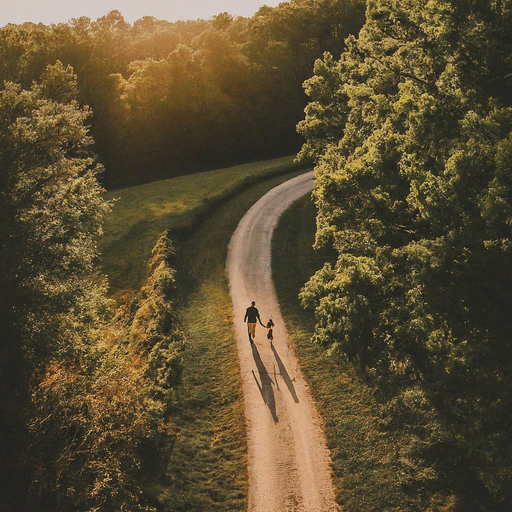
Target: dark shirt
point(251, 315)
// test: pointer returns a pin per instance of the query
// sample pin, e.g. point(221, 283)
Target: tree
point(81, 392)
point(411, 133)
point(51, 212)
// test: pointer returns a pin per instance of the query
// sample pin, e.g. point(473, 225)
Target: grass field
point(142, 212)
point(365, 474)
point(208, 470)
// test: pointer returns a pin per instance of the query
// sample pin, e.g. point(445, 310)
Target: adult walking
point(252, 315)
point(288, 460)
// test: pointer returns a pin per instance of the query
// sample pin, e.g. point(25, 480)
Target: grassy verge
point(142, 212)
point(365, 475)
point(207, 469)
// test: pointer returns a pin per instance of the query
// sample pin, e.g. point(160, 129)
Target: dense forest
point(173, 98)
point(411, 132)
point(409, 122)
point(87, 386)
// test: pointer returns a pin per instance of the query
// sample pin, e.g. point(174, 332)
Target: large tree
point(412, 133)
point(80, 393)
point(51, 213)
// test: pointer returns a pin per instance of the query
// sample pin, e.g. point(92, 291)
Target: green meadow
point(207, 469)
point(142, 212)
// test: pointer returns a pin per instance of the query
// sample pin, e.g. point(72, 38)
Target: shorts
point(251, 327)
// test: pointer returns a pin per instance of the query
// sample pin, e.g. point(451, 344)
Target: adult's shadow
point(285, 376)
point(267, 393)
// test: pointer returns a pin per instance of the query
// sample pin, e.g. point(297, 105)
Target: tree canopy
point(411, 131)
point(81, 389)
point(174, 98)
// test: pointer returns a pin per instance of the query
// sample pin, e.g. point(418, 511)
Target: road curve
point(289, 463)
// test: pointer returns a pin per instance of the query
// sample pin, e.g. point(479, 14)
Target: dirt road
point(289, 464)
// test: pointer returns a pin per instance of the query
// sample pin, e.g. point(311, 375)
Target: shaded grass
point(141, 213)
point(365, 473)
point(208, 466)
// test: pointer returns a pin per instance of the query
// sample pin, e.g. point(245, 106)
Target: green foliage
point(102, 420)
point(51, 208)
point(174, 98)
point(153, 332)
point(84, 398)
point(53, 301)
point(411, 133)
point(234, 89)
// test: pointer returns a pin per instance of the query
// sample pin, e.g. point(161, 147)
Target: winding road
point(289, 463)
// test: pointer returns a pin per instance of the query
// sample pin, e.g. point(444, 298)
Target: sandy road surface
point(289, 464)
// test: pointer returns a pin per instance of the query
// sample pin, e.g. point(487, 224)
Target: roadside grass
point(141, 213)
point(364, 472)
point(208, 465)
point(207, 470)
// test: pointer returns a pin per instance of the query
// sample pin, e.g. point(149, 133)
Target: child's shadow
point(284, 375)
point(265, 387)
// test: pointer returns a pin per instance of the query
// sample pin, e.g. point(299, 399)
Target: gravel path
point(289, 463)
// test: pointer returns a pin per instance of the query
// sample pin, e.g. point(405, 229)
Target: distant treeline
point(173, 98)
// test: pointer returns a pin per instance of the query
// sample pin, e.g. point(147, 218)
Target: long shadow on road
point(264, 384)
point(284, 374)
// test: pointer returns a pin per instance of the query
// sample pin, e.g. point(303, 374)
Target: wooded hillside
point(173, 98)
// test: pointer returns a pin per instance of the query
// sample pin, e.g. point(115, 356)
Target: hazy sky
point(55, 11)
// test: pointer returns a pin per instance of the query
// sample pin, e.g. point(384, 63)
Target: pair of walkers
point(252, 317)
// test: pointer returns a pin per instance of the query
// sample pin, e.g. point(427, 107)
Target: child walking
point(270, 335)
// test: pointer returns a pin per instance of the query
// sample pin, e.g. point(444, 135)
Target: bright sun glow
point(56, 11)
